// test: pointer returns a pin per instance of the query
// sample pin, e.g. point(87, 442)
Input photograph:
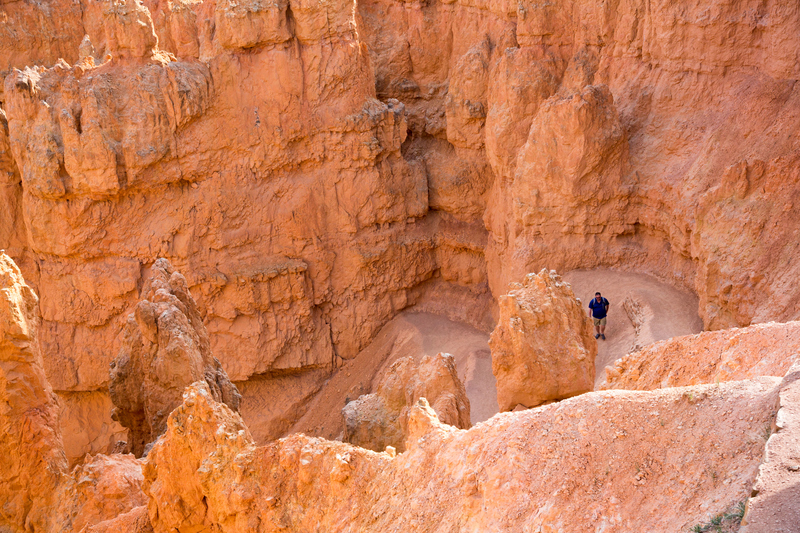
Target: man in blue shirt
point(598, 309)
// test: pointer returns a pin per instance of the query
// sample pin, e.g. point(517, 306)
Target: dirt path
point(412, 334)
point(643, 310)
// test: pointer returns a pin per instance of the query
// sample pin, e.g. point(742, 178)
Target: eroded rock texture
point(773, 503)
point(380, 419)
point(543, 347)
point(315, 168)
point(709, 357)
point(37, 491)
point(32, 457)
point(610, 135)
point(165, 348)
point(101, 489)
point(206, 471)
point(274, 171)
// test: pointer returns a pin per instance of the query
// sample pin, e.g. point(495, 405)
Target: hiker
point(598, 309)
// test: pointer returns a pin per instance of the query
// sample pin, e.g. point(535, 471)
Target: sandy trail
point(414, 334)
point(643, 310)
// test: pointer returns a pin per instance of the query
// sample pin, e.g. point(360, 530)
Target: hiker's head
point(597, 295)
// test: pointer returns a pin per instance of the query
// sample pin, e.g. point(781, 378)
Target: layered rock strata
point(595, 130)
point(543, 347)
point(381, 419)
point(314, 169)
point(285, 199)
point(165, 348)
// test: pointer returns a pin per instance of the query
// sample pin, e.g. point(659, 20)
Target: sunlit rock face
point(315, 168)
point(543, 347)
point(165, 349)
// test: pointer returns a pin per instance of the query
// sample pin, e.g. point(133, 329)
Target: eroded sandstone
point(544, 455)
point(165, 348)
point(39, 493)
point(315, 168)
point(709, 357)
point(32, 457)
point(381, 419)
point(543, 347)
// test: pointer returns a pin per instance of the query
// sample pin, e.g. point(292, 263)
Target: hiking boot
point(603, 335)
point(597, 336)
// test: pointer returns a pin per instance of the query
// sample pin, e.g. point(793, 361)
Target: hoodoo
point(291, 266)
point(165, 348)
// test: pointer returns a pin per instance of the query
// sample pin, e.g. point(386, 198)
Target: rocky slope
point(315, 168)
point(31, 452)
point(598, 445)
point(710, 357)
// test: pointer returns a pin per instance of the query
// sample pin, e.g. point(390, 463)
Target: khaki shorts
point(599, 321)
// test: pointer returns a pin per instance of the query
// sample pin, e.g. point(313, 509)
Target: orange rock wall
point(313, 168)
point(648, 137)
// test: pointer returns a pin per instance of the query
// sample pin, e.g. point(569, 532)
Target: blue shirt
point(598, 308)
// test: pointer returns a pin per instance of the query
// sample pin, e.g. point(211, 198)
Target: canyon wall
point(638, 136)
point(313, 168)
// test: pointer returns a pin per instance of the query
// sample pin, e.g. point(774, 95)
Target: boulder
point(542, 348)
point(380, 419)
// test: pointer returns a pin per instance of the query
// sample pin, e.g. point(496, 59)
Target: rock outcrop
point(32, 459)
point(773, 505)
point(709, 357)
point(101, 489)
point(380, 419)
point(314, 169)
point(164, 350)
point(206, 471)
point(543, 348)
point(39, 495)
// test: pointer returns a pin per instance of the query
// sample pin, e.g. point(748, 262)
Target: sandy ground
point(470, 347)
point(661, 311)
point(408, 334)
point(654, 311)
